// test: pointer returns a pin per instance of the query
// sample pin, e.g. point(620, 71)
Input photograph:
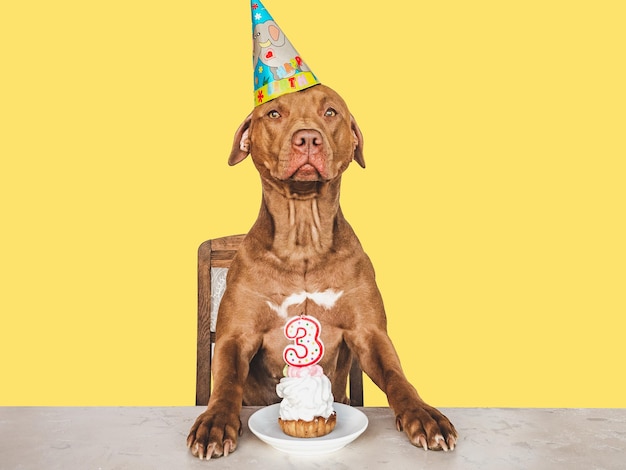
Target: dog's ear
point(241, 143)
point(358, 142)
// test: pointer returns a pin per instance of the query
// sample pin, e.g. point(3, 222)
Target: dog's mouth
point(306, 172)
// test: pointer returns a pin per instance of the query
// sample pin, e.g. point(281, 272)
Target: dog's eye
point(330, 112)
point(273, 114)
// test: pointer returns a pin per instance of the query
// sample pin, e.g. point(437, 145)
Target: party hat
point(278, 68)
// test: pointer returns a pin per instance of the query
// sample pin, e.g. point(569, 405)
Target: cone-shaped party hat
point(278, 68)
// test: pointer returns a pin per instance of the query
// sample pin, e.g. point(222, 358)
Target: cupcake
point(306, 409)
point(307, 406)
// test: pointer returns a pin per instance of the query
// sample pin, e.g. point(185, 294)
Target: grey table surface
point(154, 438)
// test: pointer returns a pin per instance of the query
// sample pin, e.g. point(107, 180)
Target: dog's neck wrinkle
point(303, 227)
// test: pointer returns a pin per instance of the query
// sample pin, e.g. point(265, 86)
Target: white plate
point(350, 424)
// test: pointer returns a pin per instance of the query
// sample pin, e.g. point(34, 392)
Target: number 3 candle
point(307, 348)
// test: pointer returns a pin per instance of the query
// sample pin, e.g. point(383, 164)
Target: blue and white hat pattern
point(278, 68)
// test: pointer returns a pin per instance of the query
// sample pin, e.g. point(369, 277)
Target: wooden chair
point(214, 258)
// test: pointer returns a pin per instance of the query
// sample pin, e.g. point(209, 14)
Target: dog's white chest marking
point(326, 299)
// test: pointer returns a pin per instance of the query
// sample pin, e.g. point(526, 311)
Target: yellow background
point(492, 205)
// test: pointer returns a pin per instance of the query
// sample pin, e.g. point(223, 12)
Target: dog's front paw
point(428, 428)
point(214, 434)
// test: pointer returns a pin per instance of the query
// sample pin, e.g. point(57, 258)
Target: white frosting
point(305, 397)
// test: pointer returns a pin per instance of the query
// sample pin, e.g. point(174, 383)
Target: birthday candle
point(307, 348)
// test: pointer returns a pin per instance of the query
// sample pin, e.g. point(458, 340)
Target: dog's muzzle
point(308, 156)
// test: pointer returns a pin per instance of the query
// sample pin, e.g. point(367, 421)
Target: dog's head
point(300, 138)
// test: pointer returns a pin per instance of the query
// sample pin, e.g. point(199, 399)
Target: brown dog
point(301, 256)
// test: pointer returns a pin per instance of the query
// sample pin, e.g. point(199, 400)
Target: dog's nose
point(307, 138)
